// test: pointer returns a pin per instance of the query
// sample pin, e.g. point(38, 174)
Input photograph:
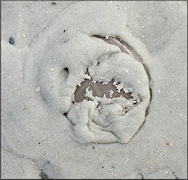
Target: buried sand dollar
point(99, 86)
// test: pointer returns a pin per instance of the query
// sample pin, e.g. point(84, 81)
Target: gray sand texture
point(94, 89)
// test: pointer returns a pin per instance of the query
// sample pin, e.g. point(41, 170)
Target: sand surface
point(52, 130)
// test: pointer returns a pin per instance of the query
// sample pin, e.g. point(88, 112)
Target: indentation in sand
point(98, 86)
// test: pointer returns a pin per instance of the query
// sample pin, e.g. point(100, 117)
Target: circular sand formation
point(99, 86)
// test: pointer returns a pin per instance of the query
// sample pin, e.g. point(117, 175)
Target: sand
point(133, 52)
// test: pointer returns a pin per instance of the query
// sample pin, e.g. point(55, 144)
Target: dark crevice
point(65, 114)
point(72, 127)
point(147, 111)
point(98, 105)
point(87, 71)
point(147, 71)
point(135, 103)
point(66, 69)
point(151, 93)
point(114, 41)
point(150, 88)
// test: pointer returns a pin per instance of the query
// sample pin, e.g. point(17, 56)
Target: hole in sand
point(65, 72)
point(66, 69)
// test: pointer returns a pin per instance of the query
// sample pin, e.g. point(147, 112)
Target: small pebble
point(167, 143)
point(38, 89)
point(11, 40)
point(68, 159)
point(24, 108)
